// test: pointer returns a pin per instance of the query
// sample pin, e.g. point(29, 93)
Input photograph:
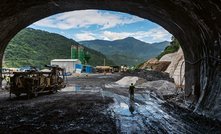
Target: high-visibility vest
point(131, 89)
point(131, 86)
point(7, 79)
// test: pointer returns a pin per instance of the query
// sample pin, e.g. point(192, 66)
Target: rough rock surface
point(162, 88)
point(126, 81)
point(195, 24)
point(147, 75)
point(156, 65)
point(152, 61)
point(168, 57)
point(173, 69)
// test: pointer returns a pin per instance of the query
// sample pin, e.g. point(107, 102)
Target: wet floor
point(146, 114)
point(98, 105)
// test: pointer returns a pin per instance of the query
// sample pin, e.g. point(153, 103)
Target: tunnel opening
point(29, 33)
point(197, 30)
point(158, 31)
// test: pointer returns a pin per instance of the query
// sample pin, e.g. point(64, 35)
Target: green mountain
point(31, 47)
point(129, 47)
point(129, 61)
point(161, 45)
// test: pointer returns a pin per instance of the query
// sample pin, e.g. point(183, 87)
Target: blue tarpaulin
point(66, 74)
point(89, 69)
point(77, 66)
point(28, 68)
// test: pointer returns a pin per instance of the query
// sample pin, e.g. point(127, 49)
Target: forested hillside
point(31, 47)
point(173, 47)
point(127, 47)
point(129, 61)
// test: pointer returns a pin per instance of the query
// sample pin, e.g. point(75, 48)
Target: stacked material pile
point(148, 75)
point(156, 65)
point(162, 88)
point(126, 81)
point(174, 68)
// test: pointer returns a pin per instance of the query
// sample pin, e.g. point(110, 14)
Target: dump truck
point(123, 68)
point(32, 82)
point(101, 69)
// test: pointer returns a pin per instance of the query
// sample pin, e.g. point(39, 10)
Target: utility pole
point(104, 62)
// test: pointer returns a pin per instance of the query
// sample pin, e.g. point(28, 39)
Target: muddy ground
point(88, 106)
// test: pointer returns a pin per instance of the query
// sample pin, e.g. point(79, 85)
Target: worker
point(131, 91)
point(86, 75)
point(104, 72)
point(77, 75)
point(7, 80)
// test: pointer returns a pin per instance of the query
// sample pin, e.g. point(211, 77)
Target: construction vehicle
point(32, 82)
point(123, 68)
point(101, 69)
point(149, 68)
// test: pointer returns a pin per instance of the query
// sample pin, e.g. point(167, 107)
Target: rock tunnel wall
point(195, 23)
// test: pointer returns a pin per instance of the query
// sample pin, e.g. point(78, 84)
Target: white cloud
point(156, 34)
point(85, 36)
point(62, 32)
point(86, 18)
point(160, 33)
point(113, 35)
point(105, 38)
point(153, 35)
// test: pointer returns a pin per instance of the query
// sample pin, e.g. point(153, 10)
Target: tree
point(173, 47)
point(36, 47)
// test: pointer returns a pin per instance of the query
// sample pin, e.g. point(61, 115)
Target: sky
point(105, 25)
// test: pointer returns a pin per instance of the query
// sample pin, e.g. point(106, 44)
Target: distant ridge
point(129, 47)
point(31, 47)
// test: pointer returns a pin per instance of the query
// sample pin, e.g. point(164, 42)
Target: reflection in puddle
point(124, 109)
point(88, 89)
point(131, 109)
point(107, 94)
point(68, 89)
point(131, 116)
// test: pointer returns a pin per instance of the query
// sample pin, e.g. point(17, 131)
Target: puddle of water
point(115, 85)
point(124, 109)
point(88, 89)
point(138, 96)
point(68, 89)
point(107, 94)
point(104, 77)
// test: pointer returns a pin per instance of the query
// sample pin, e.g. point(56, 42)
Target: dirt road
point(91, 105)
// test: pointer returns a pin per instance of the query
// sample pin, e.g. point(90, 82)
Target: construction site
point(179, 93)
point(100, 102)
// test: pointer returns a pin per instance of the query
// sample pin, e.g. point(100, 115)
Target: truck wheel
point(18, 94)
point(54, 90)
point(35, 94)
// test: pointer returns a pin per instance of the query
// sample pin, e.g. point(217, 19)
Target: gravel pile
point(148, 75)
point(126, 81)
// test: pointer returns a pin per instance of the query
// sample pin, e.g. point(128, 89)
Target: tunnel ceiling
point(195, 23)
